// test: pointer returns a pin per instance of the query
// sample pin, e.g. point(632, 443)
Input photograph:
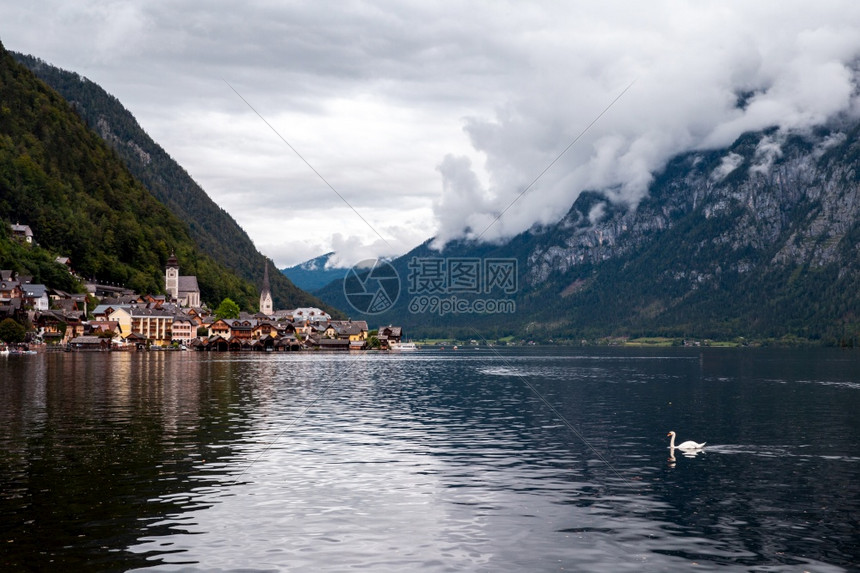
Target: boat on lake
point(402, 346)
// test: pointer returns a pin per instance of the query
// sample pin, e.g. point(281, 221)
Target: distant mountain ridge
point(214, 230)
point(313, 274)
point(761, 239)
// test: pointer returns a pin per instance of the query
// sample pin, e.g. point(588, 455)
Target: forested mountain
point(34, 261)
point(216, 233)
point(62, 180)
point(81, 201)
point(760, 240)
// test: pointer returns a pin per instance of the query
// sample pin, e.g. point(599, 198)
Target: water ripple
point(432, 462)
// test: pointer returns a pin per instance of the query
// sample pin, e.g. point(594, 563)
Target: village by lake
point(125, 320)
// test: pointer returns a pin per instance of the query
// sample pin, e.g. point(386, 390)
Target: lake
point(527, 459)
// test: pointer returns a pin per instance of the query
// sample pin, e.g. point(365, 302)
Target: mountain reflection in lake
point(433, 461)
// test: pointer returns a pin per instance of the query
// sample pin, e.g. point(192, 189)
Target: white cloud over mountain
point(432, 118)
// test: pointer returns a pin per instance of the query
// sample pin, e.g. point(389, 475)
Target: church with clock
point(181, 289)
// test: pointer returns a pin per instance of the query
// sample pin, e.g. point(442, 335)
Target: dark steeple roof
point(266, 287)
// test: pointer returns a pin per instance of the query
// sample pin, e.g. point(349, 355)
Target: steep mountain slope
point(758, 240)
point(62, 180)
point(212, 228)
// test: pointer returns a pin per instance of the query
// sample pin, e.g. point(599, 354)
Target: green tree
point(11, 332)
point(227, 309)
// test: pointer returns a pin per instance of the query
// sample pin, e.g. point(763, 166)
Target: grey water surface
point(535, 459)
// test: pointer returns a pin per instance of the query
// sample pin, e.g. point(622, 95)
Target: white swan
point(688, 445)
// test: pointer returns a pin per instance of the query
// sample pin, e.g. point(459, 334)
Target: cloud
point(768, 150)
point(464, 204)
point(435, 118)
point(691, 65)
point(728, 164)
point(301, 239)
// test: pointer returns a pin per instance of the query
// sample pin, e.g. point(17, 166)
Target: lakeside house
point(388, 335)
point(90, 343)
point(354, 331)
point(183, 330)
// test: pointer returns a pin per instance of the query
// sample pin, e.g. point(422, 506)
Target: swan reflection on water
point(686, 454)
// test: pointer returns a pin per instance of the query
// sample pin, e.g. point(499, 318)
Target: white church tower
point(171, 277)
point(266, 305)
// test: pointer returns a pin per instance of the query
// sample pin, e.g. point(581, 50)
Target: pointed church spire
point(266, 306)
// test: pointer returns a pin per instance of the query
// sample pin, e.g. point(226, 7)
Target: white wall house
point(37, 295)
point(183, 330)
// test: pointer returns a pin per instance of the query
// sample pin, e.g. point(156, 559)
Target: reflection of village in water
point(144, 410)
point(134, 381)
point(125, 320)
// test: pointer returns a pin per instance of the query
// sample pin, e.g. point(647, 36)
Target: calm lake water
point(535, 459)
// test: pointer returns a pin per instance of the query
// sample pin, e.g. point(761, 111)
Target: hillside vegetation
point(215, 232)
point(61, 179)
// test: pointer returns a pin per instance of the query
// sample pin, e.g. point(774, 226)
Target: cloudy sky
point(430, 118)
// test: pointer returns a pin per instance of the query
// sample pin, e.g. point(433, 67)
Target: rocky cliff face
point(778, 200)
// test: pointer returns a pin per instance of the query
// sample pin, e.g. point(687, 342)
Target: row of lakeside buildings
point(126, 320)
